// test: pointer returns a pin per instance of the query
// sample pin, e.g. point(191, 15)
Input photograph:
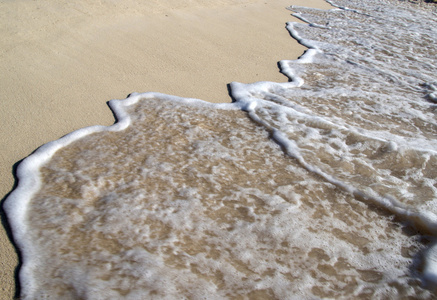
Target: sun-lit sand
point(61, 62)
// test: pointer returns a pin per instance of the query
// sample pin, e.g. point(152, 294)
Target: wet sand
point(61, 62)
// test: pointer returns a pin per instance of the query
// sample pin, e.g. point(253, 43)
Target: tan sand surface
point(60, 61)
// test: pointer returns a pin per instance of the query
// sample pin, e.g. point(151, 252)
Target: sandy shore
point(62, 61)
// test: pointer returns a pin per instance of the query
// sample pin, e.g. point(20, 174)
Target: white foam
point(29, 181)
point(353, 118)
point(422, 215)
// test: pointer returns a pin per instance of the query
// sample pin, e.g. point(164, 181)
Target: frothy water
point(325, 186)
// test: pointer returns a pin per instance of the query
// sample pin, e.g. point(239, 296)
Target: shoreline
point(49, 78)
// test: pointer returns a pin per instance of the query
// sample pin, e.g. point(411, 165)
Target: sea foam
point(324, 186)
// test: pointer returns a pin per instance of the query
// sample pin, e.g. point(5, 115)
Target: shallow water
point(324, 186)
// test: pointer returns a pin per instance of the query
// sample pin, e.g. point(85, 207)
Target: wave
point(324, 186)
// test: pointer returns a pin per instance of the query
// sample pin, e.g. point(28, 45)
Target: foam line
point(29, 180)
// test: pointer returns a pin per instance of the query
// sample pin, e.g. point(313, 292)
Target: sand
point(62, 61)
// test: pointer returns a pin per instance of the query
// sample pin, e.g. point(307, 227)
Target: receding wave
point(324, 186)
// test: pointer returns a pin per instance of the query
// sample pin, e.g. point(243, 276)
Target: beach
point(319, 182)
point(61, 63)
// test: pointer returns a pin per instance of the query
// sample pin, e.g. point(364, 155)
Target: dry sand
point(61, 61)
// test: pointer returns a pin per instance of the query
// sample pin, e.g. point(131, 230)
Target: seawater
point(321, 187)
